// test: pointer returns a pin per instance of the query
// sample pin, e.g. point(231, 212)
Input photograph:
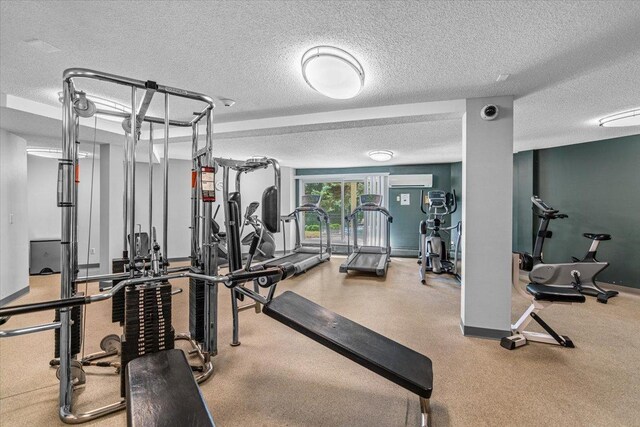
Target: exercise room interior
point(319, 213)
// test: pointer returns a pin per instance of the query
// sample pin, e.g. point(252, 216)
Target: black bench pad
point(161, 391)
point(554, 293)
point(395, 362)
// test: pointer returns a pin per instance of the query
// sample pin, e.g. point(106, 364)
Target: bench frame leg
point(425, 409)
point(521, 335)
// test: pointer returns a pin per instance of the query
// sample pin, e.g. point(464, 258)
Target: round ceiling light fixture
point(626, 118)
point(381, 155)
point(333, 72)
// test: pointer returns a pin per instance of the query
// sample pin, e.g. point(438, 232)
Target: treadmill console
point(371, 200)
point(311, 200)
point(437, 199)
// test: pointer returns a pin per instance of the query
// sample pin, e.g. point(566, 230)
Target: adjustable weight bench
point(393, 361)
point(161, 391)
point(541, 296)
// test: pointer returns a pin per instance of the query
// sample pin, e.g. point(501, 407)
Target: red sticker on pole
point(77, 173)
point(208, 183)
point(194, 178)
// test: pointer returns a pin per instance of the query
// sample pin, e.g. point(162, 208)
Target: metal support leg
point(425, 409)
point(234, 310)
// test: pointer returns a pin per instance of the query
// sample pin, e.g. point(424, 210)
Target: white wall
point(179, 212)
point(14, 235)
point(44, 214)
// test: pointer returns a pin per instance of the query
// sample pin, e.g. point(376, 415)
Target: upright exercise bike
point(581, 273)
point(434, 255)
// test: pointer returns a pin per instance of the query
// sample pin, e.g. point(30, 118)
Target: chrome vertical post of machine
point(125, 193)
point(165, 185)
point(195, 208)
point(67, 274)
point(132, 184)
point(150, 180)
point(76, 175)
point(210, 269)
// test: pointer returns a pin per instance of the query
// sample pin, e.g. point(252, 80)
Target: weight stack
point(147, 323)
point(117, 305)
point(196, 309)
point(76, 329)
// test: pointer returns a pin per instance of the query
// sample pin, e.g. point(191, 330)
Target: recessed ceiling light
point(333, 72)
point(52, 153)
point(42, 45)
point(502, 77)
point(626, 118)
point(381, 155)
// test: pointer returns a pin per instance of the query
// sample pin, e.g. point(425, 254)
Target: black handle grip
point(43, 306)
point(288, 269)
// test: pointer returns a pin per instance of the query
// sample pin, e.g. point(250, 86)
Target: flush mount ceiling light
point(381, 155)
point(99, 103)
point(333, 72)
point(52, 153)
point(626, 118)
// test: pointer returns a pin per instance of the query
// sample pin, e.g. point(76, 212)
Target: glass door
point(339, 198)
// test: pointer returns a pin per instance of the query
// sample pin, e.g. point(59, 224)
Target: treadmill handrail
point(369, 208)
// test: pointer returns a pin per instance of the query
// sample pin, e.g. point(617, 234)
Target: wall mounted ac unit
point(424, 180)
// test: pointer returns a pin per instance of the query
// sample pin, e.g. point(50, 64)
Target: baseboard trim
point(404, 253)
point(474, 331)
point(85, 266)
point(14, 296)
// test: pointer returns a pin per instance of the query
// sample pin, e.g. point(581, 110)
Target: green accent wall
point(406, 219)
point(598, 185)
point(523, 188)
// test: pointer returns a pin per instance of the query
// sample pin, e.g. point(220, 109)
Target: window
point(339, 198)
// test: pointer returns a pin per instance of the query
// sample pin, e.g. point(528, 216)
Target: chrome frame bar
point(29, 330)
point(165, 185)
point(150, 183)
point(69, 255)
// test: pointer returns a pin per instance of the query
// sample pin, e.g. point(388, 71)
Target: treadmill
point(369, 259)
point(305, 257)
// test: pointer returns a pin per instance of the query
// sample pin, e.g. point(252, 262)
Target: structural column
point(487, 187)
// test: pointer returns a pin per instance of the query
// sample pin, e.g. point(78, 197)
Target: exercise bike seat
point(554, 293)
point(593, 236)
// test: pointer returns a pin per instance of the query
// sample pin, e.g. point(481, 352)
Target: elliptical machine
point(267, 245)
point(581, 273)
point(434, 255)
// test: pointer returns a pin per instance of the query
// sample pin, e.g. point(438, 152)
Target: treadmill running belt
point(293, 258)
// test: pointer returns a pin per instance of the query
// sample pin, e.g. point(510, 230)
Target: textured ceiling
point(570, 63)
